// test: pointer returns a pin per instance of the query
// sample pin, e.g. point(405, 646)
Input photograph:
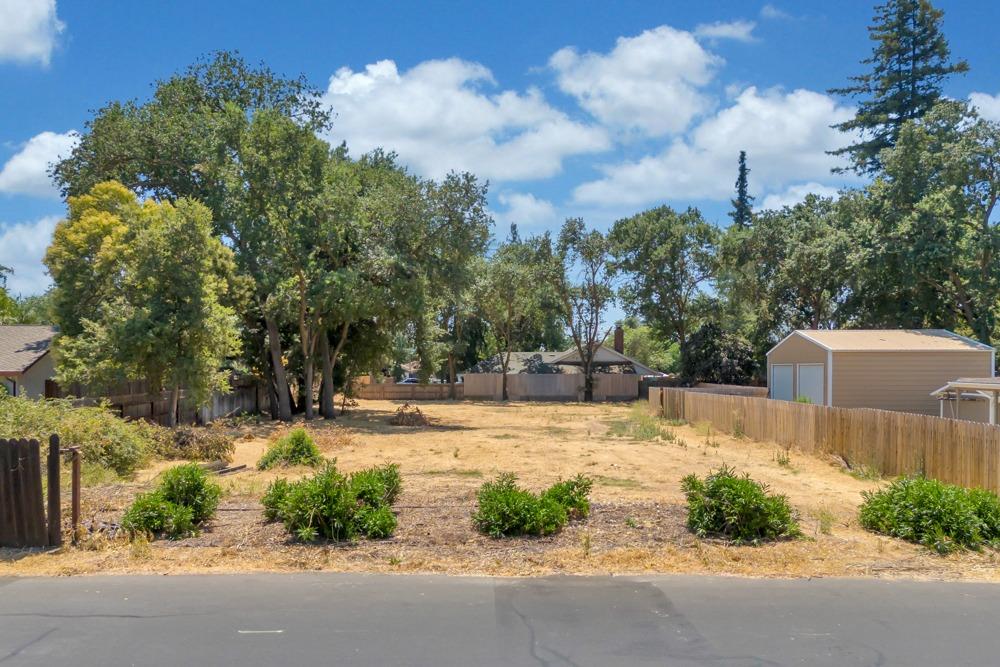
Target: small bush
point(737, 507)
point(196, 443)
point(504, 509)
point(184, 499)
point(151, 514)
point(104, 438)
point(573, 495)
point(332, 506)
point(296, 448)
point(188, 485)
point(943, 517)
point(377, 486)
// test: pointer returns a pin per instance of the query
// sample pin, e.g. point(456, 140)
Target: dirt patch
point(637, 524)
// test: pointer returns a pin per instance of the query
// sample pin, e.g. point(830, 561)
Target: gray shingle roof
point(21, 345)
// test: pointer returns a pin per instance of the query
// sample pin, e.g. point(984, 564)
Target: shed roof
point(891, 340)
point(21, 345)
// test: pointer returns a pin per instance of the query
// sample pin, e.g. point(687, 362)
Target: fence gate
point(22, 510)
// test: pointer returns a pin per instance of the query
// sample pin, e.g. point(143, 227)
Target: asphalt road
point(369, 620)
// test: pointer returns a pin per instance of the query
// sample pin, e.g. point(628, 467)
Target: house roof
point(889, 340)
point(519, 361)
point(21, 345)
point(605, 356)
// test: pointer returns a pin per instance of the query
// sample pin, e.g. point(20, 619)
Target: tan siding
point(900, 380)
point(797, 350)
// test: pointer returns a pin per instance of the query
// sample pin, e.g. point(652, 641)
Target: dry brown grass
point(637, 524)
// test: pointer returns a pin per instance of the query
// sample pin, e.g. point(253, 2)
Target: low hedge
point(333, 506)
point(943, 517)
point(738, 508)
point(184, 499)
point(504, 509)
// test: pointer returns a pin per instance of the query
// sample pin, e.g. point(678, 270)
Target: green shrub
point(274, 498)
point(573, 495)
point(296, 448)
point(332, 506)
point(377, 486)
point(151, 514)
point(188, 485)
point(943, 517)
point(737, 507)
point(184, 499)
point(195, 443)
point(504, 509)
point(103, 438)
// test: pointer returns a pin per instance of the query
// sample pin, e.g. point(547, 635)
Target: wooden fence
point(730, 389)
point(134, 400)
point(22, 511)
point(389, 391)
point(894, 443)
point(551, 386)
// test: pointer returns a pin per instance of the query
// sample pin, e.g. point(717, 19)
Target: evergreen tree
point(742, 213)
point(909, 62)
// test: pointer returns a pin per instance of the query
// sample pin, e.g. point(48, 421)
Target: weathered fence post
point(55, 508)
point(75, 512)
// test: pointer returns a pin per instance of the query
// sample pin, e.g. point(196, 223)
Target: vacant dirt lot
point(637, 523)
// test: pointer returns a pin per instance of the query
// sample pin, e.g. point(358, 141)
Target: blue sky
point(594, 109)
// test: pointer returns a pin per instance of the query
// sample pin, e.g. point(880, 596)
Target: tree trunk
point(451, 376)
point(175, 396)
point(280, 379)
point(307, 385)
point(503, 370)
point(327, 408)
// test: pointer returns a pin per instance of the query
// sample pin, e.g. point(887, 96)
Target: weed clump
point(295, 448)
point(942, 517)
point(184, 499)
point(409, 415)
point(195, 443)
point(737, 507)
point(333, 506)
point(504, 509)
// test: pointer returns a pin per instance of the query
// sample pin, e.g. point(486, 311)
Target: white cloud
point(769, 11)
point(525, 210)
point(28, 30)
point(793, 194)
point(987, 105)
point(786, 136)
point(26, 172)
point(438, 118)
point(650, 83)
point(741, 31)
point(22, 247)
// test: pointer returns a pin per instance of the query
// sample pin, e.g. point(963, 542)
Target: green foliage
point(378, 486)
point(645, 346)
point(667, 257)
point(942, 517)
point(295, 448)
point(183, 500)
point(737, 507)
point(195, 443)
point(188, 486)
point(803, 399)
point(742, 213)
point(712, 355)
point(505, 510)
point(151, 514)
point(330, 505)
point(104, 439)
point(640, 425)
point(573, 494)
point(138, 293)
point(909, 62)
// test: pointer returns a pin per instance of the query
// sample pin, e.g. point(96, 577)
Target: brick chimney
point(619, 339)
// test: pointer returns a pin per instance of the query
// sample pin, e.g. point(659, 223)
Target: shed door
point(781, 382)
point(811, 383)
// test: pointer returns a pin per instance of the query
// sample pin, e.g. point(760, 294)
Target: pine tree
point(909, 62)
point(742, 213)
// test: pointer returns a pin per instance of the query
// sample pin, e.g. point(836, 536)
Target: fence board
point(551, 386)
point(407, 392)
point(895, 443)
point(22, 514)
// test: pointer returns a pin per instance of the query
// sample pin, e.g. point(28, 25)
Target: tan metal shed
point(889, 369)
